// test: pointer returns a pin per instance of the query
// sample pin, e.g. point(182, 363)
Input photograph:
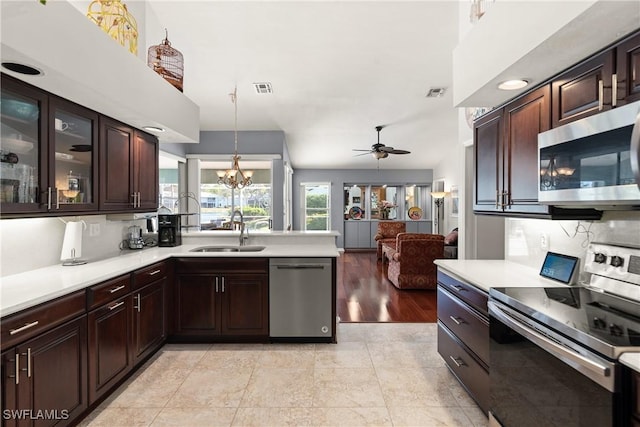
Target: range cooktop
point(603, 315)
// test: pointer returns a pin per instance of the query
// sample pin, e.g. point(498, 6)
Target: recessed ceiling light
point(22, 68)
point(513, 84)
point(153, 128)
point(436, 92)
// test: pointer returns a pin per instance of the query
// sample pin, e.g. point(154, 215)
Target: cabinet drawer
point(28, 323)
point(467, 325)
point(110, 290)
point(469, 372)
point(466, 292)
point(149, 274)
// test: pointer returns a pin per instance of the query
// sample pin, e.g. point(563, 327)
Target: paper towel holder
point(72, 244)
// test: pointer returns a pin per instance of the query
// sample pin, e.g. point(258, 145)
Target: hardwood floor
point(366, 295)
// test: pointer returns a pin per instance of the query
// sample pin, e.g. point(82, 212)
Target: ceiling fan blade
point(356, 149)
point(399, 152)
point(362, 154)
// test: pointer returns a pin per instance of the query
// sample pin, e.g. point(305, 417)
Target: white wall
point(523, 236)
point(28, 244)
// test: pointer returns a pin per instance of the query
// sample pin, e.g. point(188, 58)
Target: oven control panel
point(614, 262)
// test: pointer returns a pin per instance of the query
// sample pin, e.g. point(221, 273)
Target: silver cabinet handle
point(17, 370)
point(600, 95)
point(217, 288)
point(635, 150)
point(116, 289)
point(48, 197)
point(223, 284)
point(114, 306)
point(614, 90)
point(138, 302)
point(458, 288)
point(133, 203)
point(457, 320)
point(57, 198)
point(153, 273)
point(28, 356)
point(457, 361)
point(23, 328)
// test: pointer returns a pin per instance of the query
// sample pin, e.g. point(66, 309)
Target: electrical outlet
point(94, 230)
point(544, 241)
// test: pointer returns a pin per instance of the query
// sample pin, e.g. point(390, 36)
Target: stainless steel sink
point(228, 249)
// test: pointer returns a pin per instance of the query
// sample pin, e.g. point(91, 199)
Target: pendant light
point(235, 177)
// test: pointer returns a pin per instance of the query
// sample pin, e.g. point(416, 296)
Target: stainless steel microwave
point(594, 161)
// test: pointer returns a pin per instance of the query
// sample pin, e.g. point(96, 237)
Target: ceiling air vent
point(436, 92)
point(263, 88)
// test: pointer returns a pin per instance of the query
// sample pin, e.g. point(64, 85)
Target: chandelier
point(235, 177)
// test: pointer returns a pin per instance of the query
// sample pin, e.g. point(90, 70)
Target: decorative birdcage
point(167, 61)
point(114, 19)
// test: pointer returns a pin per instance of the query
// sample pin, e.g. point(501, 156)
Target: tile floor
point(379, 374)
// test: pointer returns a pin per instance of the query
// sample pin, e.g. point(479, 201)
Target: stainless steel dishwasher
point(300, 299)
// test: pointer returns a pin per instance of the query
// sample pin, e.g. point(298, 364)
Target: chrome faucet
point(244, 234)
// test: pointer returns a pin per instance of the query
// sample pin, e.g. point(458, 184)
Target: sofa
point(411, 258)
point(387, 232)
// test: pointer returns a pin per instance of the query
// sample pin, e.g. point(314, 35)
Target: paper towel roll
point(72, 242)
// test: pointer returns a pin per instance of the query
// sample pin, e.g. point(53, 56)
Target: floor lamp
point(438, 199)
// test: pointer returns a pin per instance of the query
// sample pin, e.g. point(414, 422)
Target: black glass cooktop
point(603, 322)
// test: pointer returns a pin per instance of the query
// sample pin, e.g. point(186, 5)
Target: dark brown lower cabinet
point(109, 345)
point(218, 299)
point(45, 378)
point(463, 335)
point(149, 320)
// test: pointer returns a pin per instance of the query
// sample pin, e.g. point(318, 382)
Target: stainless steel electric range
point(554, 351)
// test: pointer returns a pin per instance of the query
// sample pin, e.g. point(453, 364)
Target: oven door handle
point(563, 353)
point(635, 150)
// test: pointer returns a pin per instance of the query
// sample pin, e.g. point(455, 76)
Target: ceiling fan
point(381, 151)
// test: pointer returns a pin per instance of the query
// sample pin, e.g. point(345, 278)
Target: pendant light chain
point(235, 177)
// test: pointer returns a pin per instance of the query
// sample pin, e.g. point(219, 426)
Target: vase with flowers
point(385, 209)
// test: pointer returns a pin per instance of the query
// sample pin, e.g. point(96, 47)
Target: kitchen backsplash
point(524, 237)
point(32, 243)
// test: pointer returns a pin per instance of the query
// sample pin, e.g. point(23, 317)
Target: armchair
point(387, 232)
point(411, 260)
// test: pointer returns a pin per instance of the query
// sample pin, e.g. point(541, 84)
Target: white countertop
point(24, 290)
point(485, 274)
point(632, 360)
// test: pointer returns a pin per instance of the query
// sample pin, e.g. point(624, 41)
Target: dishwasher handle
point(299, 267)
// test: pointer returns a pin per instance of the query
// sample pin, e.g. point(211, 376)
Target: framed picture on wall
point(454, 200)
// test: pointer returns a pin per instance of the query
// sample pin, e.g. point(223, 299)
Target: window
point(169, 180)
point(317, 206)
point(217, 202)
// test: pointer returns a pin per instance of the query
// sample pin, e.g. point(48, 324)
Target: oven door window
point(601, 160)
point(531, 387)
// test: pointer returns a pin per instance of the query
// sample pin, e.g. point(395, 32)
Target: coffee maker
point(169, 230)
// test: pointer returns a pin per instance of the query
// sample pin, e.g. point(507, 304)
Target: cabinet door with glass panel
point(73, 136)
point(23, 148)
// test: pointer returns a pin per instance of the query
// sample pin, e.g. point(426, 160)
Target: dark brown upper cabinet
point(128, 168)
point(606, 80)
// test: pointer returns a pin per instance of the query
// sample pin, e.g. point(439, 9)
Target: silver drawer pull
point(458, 362)
point(117, 289)
point(114, 306)
point(458, 288)
point(23, 328)
point(153, 273)
point(457, 320)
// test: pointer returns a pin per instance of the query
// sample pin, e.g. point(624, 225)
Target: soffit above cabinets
point(533, 40)
point(83, 64)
